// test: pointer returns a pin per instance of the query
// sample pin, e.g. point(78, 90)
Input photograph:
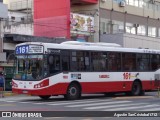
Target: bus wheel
point(136, 88)
point(73, 92)
point(109, 94)
point(45, 97)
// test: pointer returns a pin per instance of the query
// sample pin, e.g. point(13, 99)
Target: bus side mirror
point(50, 60)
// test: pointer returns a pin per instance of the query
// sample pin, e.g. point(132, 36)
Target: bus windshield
point(30, 67)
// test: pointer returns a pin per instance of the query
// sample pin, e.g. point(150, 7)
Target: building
point(3, 16)
point(130, 23)
point(122, 21)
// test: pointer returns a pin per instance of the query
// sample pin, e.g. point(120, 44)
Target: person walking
point(1, 84)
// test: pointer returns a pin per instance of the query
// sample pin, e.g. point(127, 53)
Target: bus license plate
point(24, 91)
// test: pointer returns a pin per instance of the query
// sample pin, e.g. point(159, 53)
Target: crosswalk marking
point(73, 101)
point(9, 101)
point(129, 108)
point(67, 103)
point(91, 104)
point(114, 102)
point(114, 105)
point(25, 102)
point(150, 109)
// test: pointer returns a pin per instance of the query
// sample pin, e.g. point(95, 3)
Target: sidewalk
point(7, 93)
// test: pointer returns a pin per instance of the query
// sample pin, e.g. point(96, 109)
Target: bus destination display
point(29, 49)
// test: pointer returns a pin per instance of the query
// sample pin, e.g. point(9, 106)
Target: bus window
point(65, 60)
point(65, 63)
point(86, 61)
point(29, 67)
point(54, 64)
point(143, 62)
point(80, 61)
point(99, 61)
point(155, 62)
point(129, 61)
point(114, 61)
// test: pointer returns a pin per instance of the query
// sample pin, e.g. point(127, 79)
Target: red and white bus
point(74, 68)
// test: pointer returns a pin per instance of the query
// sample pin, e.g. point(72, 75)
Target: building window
point(159, 32)
point(152, 31)
point(147, 4)
point(103, 28)
point(141, 3)
point(141, 30)
point(130, 28)
point(118, 27)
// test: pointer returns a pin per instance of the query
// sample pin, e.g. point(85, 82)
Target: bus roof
point(90, 46)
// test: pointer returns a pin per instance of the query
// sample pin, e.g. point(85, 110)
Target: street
point(97, 103)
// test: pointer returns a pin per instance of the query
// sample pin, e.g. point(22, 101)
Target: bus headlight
point(44, 83)
point(14, 84)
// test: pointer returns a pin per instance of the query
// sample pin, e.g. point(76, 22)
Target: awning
point(83, 2)
point(17, 38)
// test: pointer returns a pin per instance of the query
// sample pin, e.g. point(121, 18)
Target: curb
point(134, 97)
point(6, 94)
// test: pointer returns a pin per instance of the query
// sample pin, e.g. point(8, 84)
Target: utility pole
point(1, 40)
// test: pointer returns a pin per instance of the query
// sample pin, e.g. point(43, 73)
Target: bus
point(74, 68)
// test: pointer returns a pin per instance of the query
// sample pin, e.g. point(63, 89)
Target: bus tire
point(73, 92)
point(136, 88)
point(109, 94)
point(45, 97)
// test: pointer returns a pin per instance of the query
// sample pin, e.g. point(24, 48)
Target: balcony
point(21, 5)
point(83, 2)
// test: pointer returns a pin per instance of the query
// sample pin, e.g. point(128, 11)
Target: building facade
point(121, 21)
point(131, 23)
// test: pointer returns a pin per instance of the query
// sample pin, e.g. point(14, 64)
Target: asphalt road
point(89, 107)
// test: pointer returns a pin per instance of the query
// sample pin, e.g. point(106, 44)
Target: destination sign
point(29, 49)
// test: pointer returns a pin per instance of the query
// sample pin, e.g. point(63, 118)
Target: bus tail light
point(14, 84)
point(42, 84)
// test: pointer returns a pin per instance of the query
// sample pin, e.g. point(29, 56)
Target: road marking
point(129, 108)
point(115, 105)
point(150, 109)
point(51, 118)
point(24, 102)
point(133, 97)
point(62, 102)
point(67, 103)
point(9, 101)
point(94, 104)
point(87, 119)
point(7, 105)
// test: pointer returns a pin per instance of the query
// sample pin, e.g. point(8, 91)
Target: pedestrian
point(1, 83)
